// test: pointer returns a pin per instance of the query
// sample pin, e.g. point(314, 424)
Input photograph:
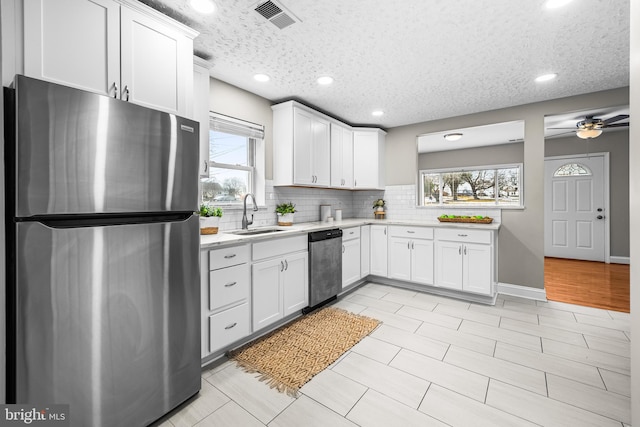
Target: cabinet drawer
point(228, 326)
point(279, 247)
point(226, 257)
point(411, 232)
point(464, 235)
point(350, 233)
point(228, 285)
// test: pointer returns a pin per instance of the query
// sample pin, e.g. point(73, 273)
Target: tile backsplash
point(400, 205)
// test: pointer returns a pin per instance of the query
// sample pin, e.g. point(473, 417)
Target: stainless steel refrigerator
point(103, 247)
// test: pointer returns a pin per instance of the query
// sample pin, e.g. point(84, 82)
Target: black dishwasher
point(325, 267)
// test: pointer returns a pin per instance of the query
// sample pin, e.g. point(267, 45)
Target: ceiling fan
point(591, 127)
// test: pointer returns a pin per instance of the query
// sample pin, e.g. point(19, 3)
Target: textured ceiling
point(417, 60)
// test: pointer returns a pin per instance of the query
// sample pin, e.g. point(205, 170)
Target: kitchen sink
point(254, 232)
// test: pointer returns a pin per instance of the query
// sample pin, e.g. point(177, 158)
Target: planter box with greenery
point(285, 213)
point(209, 219)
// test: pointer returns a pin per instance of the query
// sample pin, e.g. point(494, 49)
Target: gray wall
point(492, 155)
point(617, 145)
point(634, 203)
point(521, 248)
point(235, 102)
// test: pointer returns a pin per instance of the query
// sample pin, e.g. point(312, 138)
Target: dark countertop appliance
point(325, 267)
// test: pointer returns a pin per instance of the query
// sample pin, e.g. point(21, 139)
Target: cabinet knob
point(465, 250)
point(115, 90)
point(410, 231)
point(231, 326)
point(281, 266)
point(286, 265)
point(126, 92)
point(462, 235)
point(228, 285)
point(229, 256)
point(459, 250)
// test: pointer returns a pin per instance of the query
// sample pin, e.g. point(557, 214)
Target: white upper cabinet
point(368, 158)
point(74, 43)
point(341, 157)
point(201, 82)
point(122, 49)
point(301, 146)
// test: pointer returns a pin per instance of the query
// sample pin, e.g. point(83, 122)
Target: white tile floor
point(437, 361)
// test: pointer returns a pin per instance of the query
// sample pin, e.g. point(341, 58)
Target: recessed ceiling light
point(554, 4)
point(546, 77)
point(377, 113)
point(203, 6)
point(325, 80)
point(453, 136)
point(262, 77)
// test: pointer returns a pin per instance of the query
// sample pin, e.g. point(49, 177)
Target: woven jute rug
point(290, 356)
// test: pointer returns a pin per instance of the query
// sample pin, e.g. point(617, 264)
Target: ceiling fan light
point(588, 133)
point(453, 136)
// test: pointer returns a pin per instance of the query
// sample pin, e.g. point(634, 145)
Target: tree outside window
point(480, 186)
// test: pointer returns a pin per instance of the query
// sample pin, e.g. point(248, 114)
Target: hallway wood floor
point(587, 283)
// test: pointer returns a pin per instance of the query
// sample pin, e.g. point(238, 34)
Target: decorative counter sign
point(55, 415)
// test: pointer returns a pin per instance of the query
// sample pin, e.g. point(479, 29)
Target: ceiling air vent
point(276, 14)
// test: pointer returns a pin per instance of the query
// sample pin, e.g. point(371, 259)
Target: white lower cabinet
point(411, 254)
point(464, 260)
point(225, 285)
point(378, 265)
point(365, 250)
point(350, 255)
point(411, 260)
point(280, 284)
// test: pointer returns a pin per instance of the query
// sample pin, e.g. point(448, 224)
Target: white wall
point(634, 209)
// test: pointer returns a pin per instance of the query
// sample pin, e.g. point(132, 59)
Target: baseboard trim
point(522, 291)
point(620, 260)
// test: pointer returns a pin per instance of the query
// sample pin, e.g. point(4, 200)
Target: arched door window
point(572, 169)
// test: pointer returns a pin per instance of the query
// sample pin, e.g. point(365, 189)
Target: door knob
point(599, 209)
point(600, 217)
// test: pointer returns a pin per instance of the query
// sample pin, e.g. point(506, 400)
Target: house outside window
point(232, 160)
point(482, 186)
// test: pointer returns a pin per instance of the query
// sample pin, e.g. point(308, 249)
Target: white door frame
point(606, 194)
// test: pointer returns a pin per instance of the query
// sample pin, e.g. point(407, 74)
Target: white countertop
point(227, 238)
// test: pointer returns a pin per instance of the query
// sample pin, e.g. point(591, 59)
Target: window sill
point(474, 207)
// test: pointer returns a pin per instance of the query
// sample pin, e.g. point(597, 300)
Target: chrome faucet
point(245, 222)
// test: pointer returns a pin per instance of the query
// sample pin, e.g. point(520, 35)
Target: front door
point(574, 218)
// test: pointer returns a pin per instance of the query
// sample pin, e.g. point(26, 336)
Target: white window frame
point(255, 134)
point(485, 205)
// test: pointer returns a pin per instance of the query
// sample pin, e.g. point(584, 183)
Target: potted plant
point(209, 219)
point(285, 213)
point(378, 205)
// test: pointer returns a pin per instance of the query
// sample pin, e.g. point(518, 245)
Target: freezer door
point(82, 153)
point(108, 319)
